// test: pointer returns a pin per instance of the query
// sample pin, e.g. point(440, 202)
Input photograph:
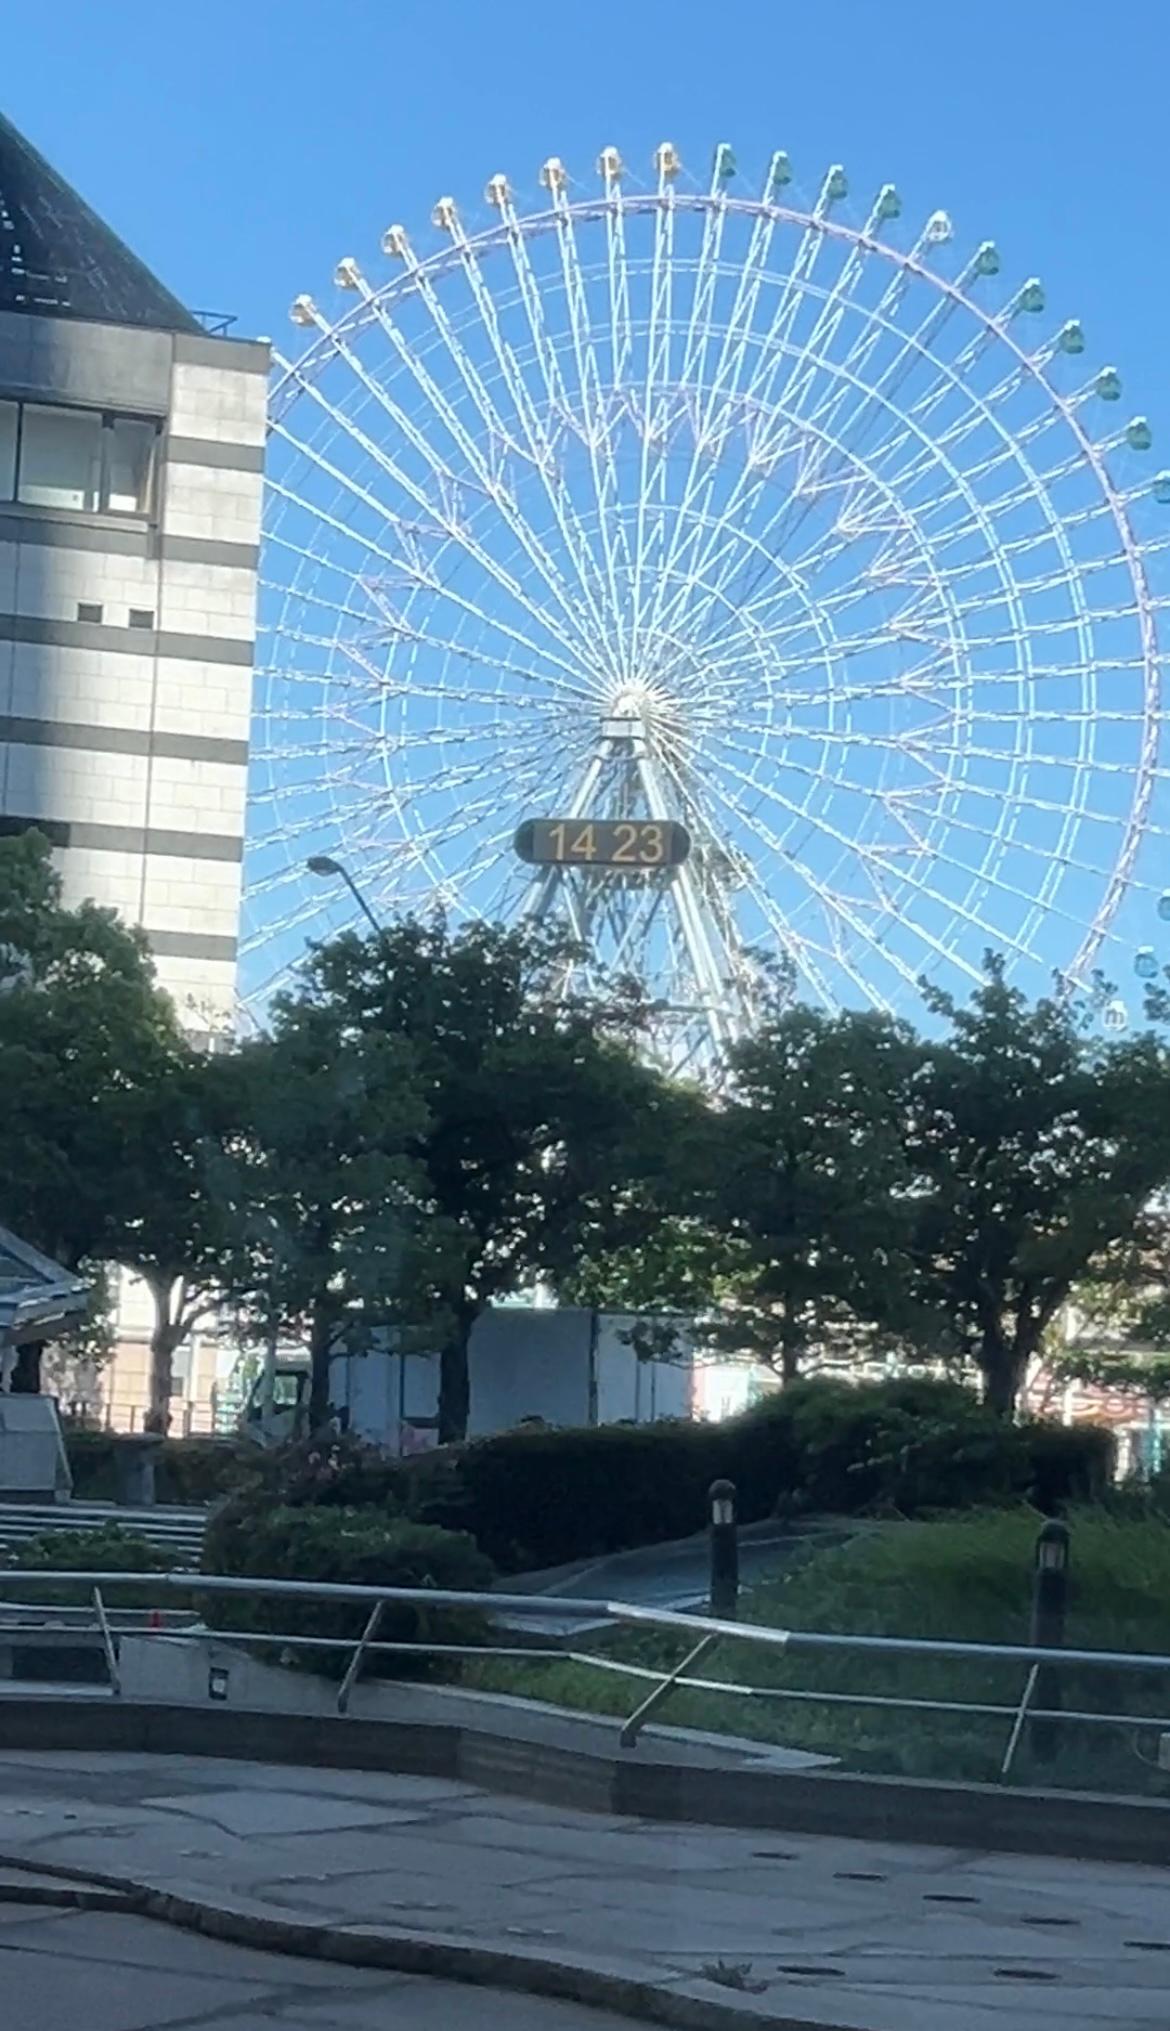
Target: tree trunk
point(26, 1376)
point(320, 1349)
point(455, 1380)
point(1003, 1370)
point(164, 1339)
point(791, 1345)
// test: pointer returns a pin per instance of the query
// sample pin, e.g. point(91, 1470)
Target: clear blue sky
point(242, 145)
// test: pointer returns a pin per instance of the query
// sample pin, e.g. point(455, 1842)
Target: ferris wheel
point(755, 587)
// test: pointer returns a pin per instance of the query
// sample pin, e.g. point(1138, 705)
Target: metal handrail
point(571, 1608)
point(704, 1630)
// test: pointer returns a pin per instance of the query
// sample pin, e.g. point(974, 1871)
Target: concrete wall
point(128, 740)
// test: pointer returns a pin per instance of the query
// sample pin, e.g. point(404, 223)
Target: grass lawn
point(964, 1578)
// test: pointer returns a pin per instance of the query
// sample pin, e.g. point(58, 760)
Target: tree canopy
point(1034, 1151)
point(430, 1122)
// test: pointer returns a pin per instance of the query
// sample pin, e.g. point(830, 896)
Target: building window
point(88, 610)
point(87, 461)
point(8, 422)
point(60, 458)
point(129, 464)
point(141, 617)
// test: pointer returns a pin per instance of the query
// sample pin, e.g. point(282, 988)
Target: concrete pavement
point(112, 1973)
point(701, 1925)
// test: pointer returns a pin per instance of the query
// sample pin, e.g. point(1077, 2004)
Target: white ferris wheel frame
point(721, 971)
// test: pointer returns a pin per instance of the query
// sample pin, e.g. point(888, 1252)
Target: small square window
point(142, 617)
point(89, 610)
point(61, 458)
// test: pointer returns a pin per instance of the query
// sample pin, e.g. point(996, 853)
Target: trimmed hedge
point(355, 1547)
point(108, 1550)
point(534, 1498)
point(543, 1498)
point(191, 1472)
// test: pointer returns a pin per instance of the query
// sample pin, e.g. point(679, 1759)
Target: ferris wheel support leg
point(544, 890)
point(710, 963)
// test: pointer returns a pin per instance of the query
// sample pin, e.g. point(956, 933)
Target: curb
point(687, 2006)
point(68, 1896)
point(927, 1812)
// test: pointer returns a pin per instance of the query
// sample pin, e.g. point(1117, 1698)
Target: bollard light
point(1052, 1548)
point(724, 1544)
point(217, 1682)
point(722, 1503)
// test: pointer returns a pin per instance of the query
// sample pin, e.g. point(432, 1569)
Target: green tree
point(173, 1222)
point(330, 1226)
point(544, 1136)
point(83, 1031)
point(807, 1178)
point(1035, 1152)
point(1121, 1336)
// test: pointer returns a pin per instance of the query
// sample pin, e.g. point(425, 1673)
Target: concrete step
point(170, 1529)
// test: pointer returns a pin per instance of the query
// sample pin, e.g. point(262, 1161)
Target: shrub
point(108, 1550)
point(200, 1470)
point(541, 1498)
point(188, 1471)
point(911, 1444)
point(346, 1473)
point(353, 1547)
point(535, 1498)
point(1067, 1464)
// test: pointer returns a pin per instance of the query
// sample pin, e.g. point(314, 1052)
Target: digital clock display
point(642, 843)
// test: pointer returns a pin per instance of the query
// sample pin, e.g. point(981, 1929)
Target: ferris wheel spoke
point(540, 443)
point(848, 911)
point(695, 348)
point(803, 373)
point(568, 676)
point(806, 953)
point(487, 467)
point(650, 422)
point(717, 396)
point(719, 556)
point(597, 425)
point(443, 512)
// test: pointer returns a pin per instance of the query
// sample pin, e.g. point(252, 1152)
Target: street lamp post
point(324, 864)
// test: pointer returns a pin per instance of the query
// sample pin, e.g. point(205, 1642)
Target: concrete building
point(131, 452)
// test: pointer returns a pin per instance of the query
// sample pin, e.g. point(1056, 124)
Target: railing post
point(1049, 1606)
point(661, 1692)
point(99, 1609)
point(724, 1541)
point(355, 1663)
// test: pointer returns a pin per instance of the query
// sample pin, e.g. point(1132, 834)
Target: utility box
point(33, 1465)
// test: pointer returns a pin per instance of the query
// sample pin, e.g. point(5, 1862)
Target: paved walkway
point(125, 1974)
point(816, 1931)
